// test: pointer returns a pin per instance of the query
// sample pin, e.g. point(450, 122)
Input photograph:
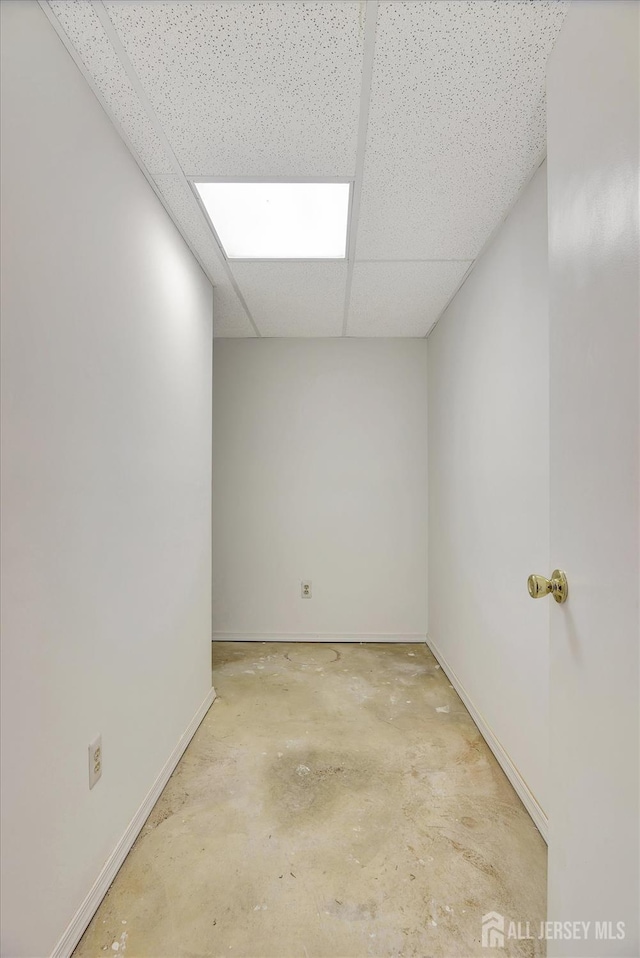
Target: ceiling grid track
point(363, 123)
point(114, 39)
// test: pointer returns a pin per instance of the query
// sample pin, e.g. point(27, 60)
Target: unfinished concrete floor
point(336, 802)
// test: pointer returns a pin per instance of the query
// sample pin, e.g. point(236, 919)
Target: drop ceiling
point(433, 108)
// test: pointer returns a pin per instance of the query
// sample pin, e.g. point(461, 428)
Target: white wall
point(320, 456)
point(489, 486)
point(106, 424)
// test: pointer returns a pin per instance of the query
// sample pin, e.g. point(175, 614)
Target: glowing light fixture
point(278, 220)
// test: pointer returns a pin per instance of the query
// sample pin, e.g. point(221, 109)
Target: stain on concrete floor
point(336, 802)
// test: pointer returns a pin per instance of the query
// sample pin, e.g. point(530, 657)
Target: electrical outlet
point(95, 761)
point(305, 590)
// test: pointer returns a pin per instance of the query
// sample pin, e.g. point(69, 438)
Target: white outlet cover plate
point(305, 589)
point(95, 761)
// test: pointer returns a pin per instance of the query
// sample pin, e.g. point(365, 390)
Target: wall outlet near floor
point(305, 590)
point(95, 761)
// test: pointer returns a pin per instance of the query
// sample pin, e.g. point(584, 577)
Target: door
point(593, 111)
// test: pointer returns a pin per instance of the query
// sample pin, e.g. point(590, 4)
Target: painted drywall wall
point(106, 452)
point(489, 486)
point(593, 105)
point(320, 459)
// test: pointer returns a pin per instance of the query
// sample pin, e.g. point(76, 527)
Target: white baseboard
point(87, 909)
point(418, 637)
point(509, 768)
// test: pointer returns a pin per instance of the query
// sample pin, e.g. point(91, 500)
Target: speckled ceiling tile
point(294, 299)
point(400, 299)
point(251, 88)
point(246, 88)
point(86, 33)
point(456, 122)
point(229, 318)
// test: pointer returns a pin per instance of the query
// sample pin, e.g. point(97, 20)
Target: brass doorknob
point(557, 585)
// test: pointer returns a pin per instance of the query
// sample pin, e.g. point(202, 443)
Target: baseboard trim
point(525, 794)
point(417, 637)
point(89, 906)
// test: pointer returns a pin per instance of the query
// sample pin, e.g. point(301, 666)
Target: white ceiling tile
point(400, 299)
point(250, 88)
point(271, 88)
point(229, 316)
point(83, 28)
point(294, 299)
point(456, 122)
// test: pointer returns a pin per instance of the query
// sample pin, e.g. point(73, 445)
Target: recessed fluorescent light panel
point(278, 220)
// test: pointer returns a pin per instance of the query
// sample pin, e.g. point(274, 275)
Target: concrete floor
point(336, 802)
